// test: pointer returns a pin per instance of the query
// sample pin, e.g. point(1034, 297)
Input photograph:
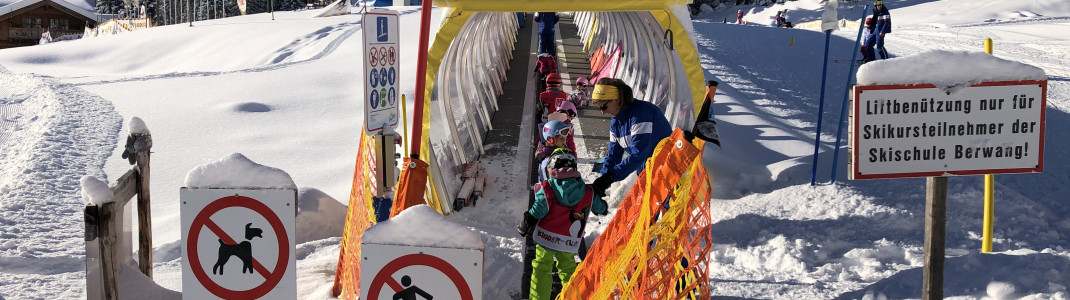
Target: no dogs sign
point(238, 244)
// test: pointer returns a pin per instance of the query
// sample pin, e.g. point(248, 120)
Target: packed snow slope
point(284, 93)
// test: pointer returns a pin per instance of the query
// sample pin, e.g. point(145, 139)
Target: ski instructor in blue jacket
point(884, 26)
point(635, 129)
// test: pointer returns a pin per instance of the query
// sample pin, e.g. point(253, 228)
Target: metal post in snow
point(843, 109)
point(820, 107)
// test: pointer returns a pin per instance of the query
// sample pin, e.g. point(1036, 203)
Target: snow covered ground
point(284, 94)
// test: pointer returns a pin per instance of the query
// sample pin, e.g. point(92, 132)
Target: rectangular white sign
point(238, 244)
point(921, 131)
point(410, 272)
point(381, 68)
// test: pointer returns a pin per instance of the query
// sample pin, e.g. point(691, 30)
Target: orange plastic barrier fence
point(360, 216)
point(411, 187)
point(657, 245)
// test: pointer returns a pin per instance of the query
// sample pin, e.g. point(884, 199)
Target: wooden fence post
point(935, 233)
point(109, 249)
point(142, 144)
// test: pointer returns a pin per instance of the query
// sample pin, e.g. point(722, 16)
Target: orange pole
point(421, 80)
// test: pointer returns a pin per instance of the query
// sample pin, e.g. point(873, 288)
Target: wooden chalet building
point(23, 22)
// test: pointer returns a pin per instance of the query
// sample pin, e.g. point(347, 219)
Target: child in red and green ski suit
point(562, 203)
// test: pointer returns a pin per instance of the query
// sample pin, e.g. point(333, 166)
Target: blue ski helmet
point(554, 128)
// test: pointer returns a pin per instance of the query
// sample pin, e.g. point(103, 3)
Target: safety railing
point(465, 98)
point(635, 49)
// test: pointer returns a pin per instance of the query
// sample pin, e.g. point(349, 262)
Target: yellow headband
point(605, 92)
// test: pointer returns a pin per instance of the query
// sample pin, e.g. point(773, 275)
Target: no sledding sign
point(238, 244)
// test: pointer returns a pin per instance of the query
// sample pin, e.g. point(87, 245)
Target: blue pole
point(820, 106)
point(843, 109)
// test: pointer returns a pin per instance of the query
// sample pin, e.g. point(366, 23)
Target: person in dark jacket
point(635, 129)
point(884, 26)
point(547, 34)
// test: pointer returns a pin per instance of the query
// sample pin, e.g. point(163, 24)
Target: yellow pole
point(404, 120)
point(986, 238)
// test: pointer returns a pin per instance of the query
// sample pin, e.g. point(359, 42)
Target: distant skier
point(868, 41)
point(883, 26)
point(558, 216)
point(739, 17)
point(778, 21)
point(547, 34)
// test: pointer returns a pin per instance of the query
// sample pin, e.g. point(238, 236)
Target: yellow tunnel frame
point(461, 10)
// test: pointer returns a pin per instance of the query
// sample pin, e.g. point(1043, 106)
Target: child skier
point(562, 203)
point(739, 17)
point(544, 65)
point(581, 97)
point(555, 134)
point(553, 95)
point(869, 40)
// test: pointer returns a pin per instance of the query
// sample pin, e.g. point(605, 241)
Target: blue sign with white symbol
point(391, 97)
point(374, 79)
point(382, 31)
point(383, 77)
point(393, 75)
point(375, 99)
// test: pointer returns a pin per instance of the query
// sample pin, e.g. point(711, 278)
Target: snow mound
point(237, 171)
point(318, 215)
point(422, 226)
point(134, 285)
point(946, 70)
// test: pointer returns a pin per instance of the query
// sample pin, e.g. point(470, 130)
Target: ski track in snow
point(53, 134)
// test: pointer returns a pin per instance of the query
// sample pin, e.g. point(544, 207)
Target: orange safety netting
point(360, 216)
point(657, 245)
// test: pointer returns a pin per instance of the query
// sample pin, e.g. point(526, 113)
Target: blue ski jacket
point(884, 21)
point(635, 131)
point(546, 20)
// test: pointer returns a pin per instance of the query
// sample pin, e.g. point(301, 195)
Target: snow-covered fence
point(104, 216)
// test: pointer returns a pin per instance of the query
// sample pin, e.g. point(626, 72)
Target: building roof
point(9, 10)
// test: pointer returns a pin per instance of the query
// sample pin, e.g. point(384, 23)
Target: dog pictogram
point(243, 250)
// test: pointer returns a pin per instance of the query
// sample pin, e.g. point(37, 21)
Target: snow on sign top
point(237, 171)
point(422, 226)
point(947, 70)
point(96, 192)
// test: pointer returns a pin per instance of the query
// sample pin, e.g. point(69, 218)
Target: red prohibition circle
point(418, 260)
point(374, 56)
point(382, 56)
point(270, 280)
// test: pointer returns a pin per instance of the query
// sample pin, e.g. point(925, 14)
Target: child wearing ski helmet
point(544, 65)
point(739, 17)
point(556, 221)
point(553, 135)
point(869, 40)
point(581, 97)
point(553, 95)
